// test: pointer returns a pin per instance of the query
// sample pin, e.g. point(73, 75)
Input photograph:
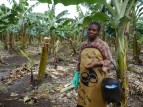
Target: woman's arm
point(107, 57)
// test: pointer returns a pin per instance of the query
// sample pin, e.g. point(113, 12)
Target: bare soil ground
point(17, 90)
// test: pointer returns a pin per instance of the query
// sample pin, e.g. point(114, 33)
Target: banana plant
point(23, 4)
point(34, 27)
point(31, 64)
point(23, 10)
point(54, 26)
point(4, 12)
point(8, 18)
point(121, 14)
point(136, 14)
point(15, 16)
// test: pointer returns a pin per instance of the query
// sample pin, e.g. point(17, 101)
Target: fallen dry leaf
point(13, 94)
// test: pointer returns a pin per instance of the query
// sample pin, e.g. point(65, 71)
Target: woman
point(94, 61)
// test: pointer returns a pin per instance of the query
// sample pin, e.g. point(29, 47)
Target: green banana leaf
point(69, 2)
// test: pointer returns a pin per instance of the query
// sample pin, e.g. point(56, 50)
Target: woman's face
point(92, 31)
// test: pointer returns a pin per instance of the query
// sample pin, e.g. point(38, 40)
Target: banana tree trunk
point(16, 38)
point(127, 40)
point(122, 62)
point(136, 50)
point(39, 38)
point(102, 33)
point(57, 44)
point(72, 45)
point(135, 47)
point(30, 40)
point(1, 37)
point(23, 38)
point(5, 40)
point(43, 60)
point(116, 43)
point(11, 42)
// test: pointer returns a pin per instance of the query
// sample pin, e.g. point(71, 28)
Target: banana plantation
point(39, 51)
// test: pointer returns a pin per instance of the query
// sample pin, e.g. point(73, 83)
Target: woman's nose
point(91, 31)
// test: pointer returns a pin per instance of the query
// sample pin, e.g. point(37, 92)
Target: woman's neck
point(92, 40)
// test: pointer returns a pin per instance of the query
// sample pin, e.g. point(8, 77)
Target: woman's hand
point(92, 64)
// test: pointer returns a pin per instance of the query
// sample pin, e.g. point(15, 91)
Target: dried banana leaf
point(68, 86)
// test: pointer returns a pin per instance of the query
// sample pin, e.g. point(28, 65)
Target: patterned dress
point(89, 91)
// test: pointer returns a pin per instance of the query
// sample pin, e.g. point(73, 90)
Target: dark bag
point(111, 90)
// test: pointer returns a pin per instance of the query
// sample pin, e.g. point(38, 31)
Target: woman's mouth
point(91, 34)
